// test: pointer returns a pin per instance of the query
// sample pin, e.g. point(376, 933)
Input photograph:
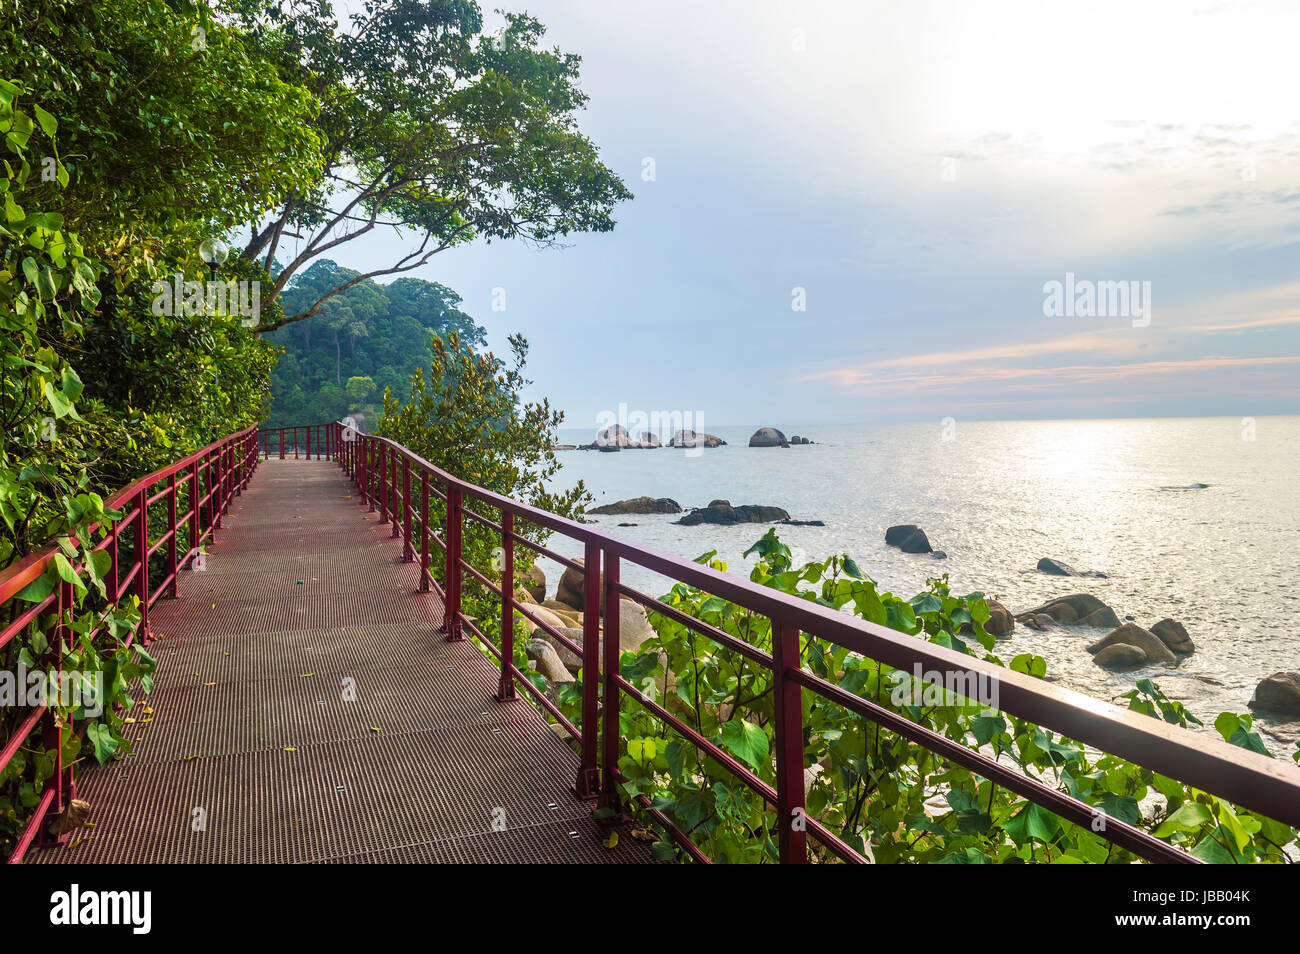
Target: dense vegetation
point(135, 129)
point(364, 342)
point(871, 787)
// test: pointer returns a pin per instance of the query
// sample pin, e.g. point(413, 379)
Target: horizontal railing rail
point(210, 479)
point(311, 441)
point(384, 471)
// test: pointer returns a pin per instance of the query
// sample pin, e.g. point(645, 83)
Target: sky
point(852, 211)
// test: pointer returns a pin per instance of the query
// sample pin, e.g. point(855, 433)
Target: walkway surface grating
point(306, 709)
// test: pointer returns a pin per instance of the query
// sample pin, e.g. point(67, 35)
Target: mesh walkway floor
point(306, 709)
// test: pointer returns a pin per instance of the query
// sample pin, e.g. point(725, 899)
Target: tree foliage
point(465, 414)
point(430, 126)
point(371, 331)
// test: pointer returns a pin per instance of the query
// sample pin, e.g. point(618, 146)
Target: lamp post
point(214, 253)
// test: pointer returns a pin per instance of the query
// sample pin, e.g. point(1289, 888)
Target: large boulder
point(768, 437)
point(909, 538)
point(688, 438)
point(640, 505)
point(650, 439)
point(722, 512)
point(1278, 693)
point(535, 583)
point(564, 611)
point(1057, 568)
point(1120, 656)
point(1082, 608)
point(1001, 622)
point(897, 534)
point(1174, 635)
point(1134, 635)
point(548, 661)
point(615, 435)
point(571, 588)
point(547, 616)
point(633, 629)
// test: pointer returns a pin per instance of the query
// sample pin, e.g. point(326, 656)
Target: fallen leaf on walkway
point(290, 748)
point(375, 728)
point(209, 684)
point(612, 840)
point(307, 674)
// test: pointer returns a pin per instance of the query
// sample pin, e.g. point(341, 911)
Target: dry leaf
point(611, 841)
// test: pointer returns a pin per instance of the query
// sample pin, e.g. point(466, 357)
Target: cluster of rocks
point(771, 437)
point(639, 505)
point(615, 437)
point(720, 512)
point(910, 538)
point(723, 513)
point(550, 657)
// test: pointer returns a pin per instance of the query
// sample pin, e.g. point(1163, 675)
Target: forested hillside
point(366, 339)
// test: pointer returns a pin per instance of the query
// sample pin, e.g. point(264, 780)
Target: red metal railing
point(211, 477)
point(384, 471)
point(312, 441)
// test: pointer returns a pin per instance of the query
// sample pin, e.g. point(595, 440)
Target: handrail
point(1268, 786)
point(214, 475)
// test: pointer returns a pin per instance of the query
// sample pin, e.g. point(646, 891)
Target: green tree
point(466, 416)
point(359, 390)
point(430, 127)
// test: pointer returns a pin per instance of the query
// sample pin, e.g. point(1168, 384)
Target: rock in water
point(614, 436)
point(1173, 634)
point(640, 505)
point(768, 437)
point(1057, 568)
point(1120, 656)
point(1083, 608)
point(693, 439)
point(1278, 693)
point(722, 512)
point(1001, 622)
point(1134, 635)
point(897, 534)
point(908, 538)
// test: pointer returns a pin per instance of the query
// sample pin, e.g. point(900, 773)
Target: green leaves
point(1236, 729)
point(746, 741)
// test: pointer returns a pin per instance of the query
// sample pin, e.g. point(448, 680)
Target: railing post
point(787, 732)
point(195, 493)
point(383, 483)
point(610, 694)
point(370, 473)
point(506, 690)
point(308, 430)
point(172, 551)
point(408, 552)
point(588, 785)
point(424, 531)
point(214, 485)
point(451, 602)
point(395, 511)
point(282, 443)
point(142, 554)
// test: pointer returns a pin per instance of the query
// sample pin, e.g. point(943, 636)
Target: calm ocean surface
point(1111, 495)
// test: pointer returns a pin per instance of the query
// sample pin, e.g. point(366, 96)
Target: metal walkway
point(306, 709)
